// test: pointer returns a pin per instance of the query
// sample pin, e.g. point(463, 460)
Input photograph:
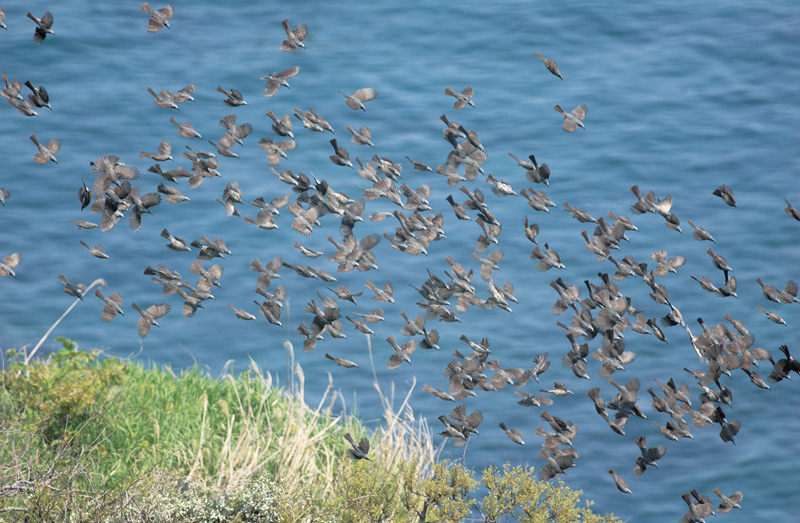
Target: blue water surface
point(683, 97)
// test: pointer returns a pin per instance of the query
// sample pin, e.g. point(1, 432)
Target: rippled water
point(682, 98)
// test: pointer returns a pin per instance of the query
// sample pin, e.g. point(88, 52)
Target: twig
point(99, 281)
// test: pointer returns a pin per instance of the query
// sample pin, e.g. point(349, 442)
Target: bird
point(9, 263)
point(700, 234)
point(357, 100)
point(158, 19)
point(697, 510)
point(276, 150)
point(719, 262)
point(358, 451)
point(648, 458)
point(83, 224)
point(559, 389)
point(171, 194)
point(620, 483)
point(282, 126)
point(276, 80)
point(363, 137)
point(726, 193)
point(44, 27)
point(175, 243)
point(401, 353)
point(38, 97)
point(163, 154)
point(728, 502)
point(384, 294)
point(772, 316)
point(73, 289)
point(184, 95)
point(294, 37)
point(185, 129)
point(149, 317)
point(791, 211)
point(574, 120)
point(550, 64)
point(513, 434)
point(442, 395)
point(3, 19)
point(113, 305)
point(234, 97)
point(23, 107)
point(96, 251)
point(47, 153)
point(463, 98)
point(340, 155)
point(489, 263)
point(165, 99)
point(241, 313)
point(342, 362)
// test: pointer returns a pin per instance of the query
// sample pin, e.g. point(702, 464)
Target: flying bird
point(550, 64)
point(158, 19)
point(45, 27)
point(357, 99)
point(294, 37)
point(574, 120)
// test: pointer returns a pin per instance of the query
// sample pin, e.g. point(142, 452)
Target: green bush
point(89, 438)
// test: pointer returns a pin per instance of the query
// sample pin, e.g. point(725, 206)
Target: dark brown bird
point(358, 451)
point(726, 193)
point(73, 289)
point(648, 458)
point(39, 97)
point(45, 27)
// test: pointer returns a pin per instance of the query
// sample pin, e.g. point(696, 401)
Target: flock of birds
point(603, 313)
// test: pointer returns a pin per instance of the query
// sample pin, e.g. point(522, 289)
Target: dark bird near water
point(45, 27)
point(726, 193)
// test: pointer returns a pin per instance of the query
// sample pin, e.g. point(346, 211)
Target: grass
point(84, 437)
point(125, 422)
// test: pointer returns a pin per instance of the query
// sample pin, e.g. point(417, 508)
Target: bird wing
point(54, 145)
point(365, 95)
point(300, 32)
point(289, 73)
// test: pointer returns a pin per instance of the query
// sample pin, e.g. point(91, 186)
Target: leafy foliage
point(89, 438)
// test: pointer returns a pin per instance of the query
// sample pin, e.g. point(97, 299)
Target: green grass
point(85, 437)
